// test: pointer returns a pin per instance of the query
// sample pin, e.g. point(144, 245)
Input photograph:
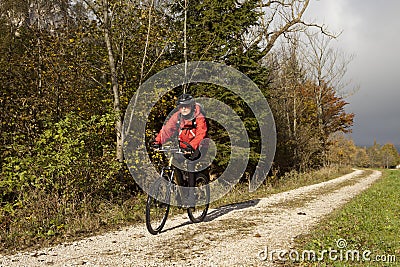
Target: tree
point(375, 154)
point(325, 64)
point(102, 12)
point(281, 18)
point(215, 30)
point(132, 52)
point(390, 155)
point(342, 151)
point(362, 159)
point(325, 68)
point(36, 82)
point(296, 137)
point(307, 111)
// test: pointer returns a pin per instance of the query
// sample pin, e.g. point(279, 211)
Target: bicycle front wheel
point(202, 198)
point(157, 206)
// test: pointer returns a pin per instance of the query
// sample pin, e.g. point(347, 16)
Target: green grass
point(368, 223)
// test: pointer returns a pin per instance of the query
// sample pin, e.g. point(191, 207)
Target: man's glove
point(188, 149)
point(154, 144)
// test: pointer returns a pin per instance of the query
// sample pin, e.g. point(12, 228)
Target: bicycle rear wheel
point(157, 206)
point(202, 198)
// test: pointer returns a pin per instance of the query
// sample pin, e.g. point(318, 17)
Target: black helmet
point(185, 99)
point(188, 100)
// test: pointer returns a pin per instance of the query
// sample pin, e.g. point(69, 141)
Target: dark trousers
point(191, 183)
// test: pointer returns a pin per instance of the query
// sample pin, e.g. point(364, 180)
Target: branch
point(93, 9)
point(322, 28)
point(270, 3)
point(146, 44)
point(290, 14)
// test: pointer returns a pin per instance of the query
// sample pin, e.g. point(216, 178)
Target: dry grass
point(47, 220)
point(275, 185)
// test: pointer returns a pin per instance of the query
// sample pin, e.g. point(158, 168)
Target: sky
point(371, 32)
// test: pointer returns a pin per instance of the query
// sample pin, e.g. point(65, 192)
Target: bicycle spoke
point(201, 200)
point(157, 206)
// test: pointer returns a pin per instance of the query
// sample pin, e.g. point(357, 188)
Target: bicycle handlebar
point(170, 149)
point(175, 150)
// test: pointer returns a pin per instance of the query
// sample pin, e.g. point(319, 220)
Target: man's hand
point(188, 150)
point(154, 144)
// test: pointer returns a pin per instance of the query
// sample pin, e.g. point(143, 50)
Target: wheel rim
point(157, 207)
point(198, 213)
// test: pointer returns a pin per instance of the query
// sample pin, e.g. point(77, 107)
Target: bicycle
point(174, 181)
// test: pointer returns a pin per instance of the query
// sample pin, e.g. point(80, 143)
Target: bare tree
point(114, 81)
point(102, 12)
point(325, 64)
point(326, 68)
point(305, 96)
point(281, 18)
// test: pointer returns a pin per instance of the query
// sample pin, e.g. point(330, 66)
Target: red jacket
point(187, 133)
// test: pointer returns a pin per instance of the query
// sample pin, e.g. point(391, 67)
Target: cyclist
point(189, 125)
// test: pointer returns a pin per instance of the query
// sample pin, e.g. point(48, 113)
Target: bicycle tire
point(198, 213)
point(157, 205)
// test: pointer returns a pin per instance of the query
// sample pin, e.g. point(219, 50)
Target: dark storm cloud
point(371, 32)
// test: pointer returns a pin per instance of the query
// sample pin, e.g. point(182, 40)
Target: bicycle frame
point(169, 166)
point(157, 210)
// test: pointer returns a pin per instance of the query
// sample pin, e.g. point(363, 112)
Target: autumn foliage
point(69, 69)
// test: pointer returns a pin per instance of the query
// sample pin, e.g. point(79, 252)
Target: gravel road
point(234, 235)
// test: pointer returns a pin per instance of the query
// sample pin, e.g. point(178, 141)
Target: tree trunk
point(114, 83)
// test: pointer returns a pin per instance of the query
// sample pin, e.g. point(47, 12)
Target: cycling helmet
point(188, 100)
point(185, 99)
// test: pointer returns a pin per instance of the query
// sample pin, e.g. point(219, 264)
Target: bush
point(68, 170)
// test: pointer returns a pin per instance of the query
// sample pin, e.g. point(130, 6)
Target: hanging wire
point(185, 86)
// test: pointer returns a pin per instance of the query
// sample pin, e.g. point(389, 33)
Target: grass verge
point(365, 232)
point(273, 185)
point(46, 221)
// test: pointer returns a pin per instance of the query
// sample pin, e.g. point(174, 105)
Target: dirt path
point(231, 236)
